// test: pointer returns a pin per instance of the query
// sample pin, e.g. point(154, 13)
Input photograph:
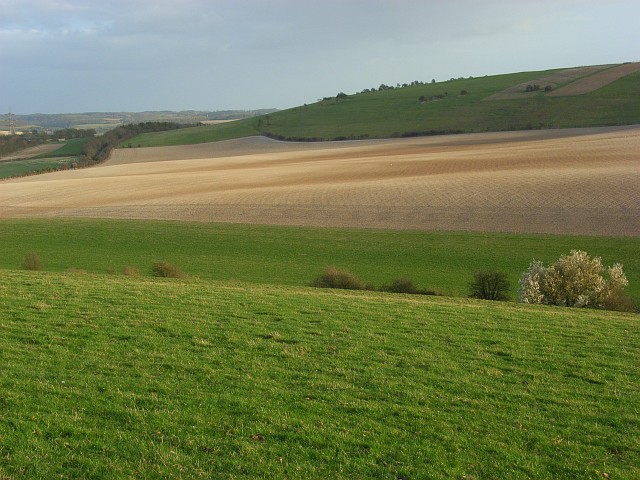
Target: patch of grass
point(18, 168)
point(294, 255)
point(107, 376)
point(69, 148)
point(398, 112)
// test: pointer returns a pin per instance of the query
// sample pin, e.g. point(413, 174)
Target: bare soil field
point(576, 181)
point(596, 81)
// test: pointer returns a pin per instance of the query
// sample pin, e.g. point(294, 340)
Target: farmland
point(239, 369)
point(283, 255)
point(575, 181)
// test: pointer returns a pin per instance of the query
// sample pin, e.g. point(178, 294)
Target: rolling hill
point(560, 98)
point(239, 370)
point(117, 377)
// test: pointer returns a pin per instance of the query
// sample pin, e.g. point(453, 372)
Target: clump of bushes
point(489, 285)
point(576, 280)
point(405, 285)
point(333, 277)
point(32, 261)
point(166, 270)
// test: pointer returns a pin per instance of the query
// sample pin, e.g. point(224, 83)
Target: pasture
point(115, 377)
point(282, 255)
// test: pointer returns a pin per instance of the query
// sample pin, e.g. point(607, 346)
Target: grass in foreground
point(441, 261)
point(107, 377)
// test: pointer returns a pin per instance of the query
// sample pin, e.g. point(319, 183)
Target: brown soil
point(578, 181)
point(596, 81)
point(552, 80)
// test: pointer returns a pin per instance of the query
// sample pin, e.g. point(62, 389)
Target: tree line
point(97, 149)
point(10, 144)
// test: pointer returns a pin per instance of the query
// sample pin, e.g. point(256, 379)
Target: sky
point(61, 56)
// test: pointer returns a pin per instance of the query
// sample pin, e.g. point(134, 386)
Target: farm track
point(576, 181)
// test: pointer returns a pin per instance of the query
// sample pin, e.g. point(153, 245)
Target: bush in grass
point(130, 271)
point(32, 261)
point(489, 285)
point(400, 285)
point(333, 277)
point(167, 270)
point(576, 280)
point(405, 285)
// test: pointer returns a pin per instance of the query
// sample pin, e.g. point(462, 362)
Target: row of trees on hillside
point(10, 144)
point(97, 149)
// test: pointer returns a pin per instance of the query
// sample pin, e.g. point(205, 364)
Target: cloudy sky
point(133, 55)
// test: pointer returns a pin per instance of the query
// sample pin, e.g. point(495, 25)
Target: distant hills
point(102, 121)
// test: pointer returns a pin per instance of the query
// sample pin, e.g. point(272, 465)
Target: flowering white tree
point(574, 280)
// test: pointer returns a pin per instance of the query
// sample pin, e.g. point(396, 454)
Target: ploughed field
point(574, 181)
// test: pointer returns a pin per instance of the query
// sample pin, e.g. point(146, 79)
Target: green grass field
point(398, 112)
point(117, 377)
point(72, 147)
point(295, 255)
point(63, 157)
point(241, 371)
point(18, 168)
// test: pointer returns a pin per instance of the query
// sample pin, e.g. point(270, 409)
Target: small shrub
point(32, 261)
point(166, 270)
point(333, 277)
point(400, 285)
point(130, 271)
point(489, 285)
point(405, 285)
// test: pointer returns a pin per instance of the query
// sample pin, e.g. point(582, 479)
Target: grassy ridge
point(107, 377)
point(295, 255)
point(398, 112)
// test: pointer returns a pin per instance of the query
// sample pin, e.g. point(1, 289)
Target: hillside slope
point(491, 103)
point(113, 377)
point(569, 181)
